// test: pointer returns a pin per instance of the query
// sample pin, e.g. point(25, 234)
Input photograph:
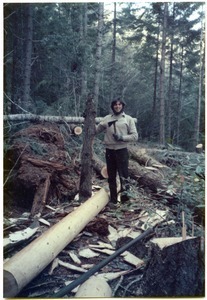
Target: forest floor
point(112, 228)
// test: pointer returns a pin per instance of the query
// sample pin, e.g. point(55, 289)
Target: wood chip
point(43, 221)
point(101, 245)
point(132, 259)
point(87, 253)
point(111, 275)
point(71, 267)
point(18, 236)
point(55, 264)
point(105, 251)
point(74, 257)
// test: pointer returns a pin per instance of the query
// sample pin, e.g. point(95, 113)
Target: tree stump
point(174, 269)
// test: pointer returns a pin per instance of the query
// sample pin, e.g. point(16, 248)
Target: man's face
point(118, 106)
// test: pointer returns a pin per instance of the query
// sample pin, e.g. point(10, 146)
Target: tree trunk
point(179, 99)
point(113, 57)
point(98, 53)
point(17, 62)
point(170, 97)
point(154, 126)
point(198, 103)
point(27, 104)
point(174, 269)
point(84, 64)
point(162, 77)
point(85, 189)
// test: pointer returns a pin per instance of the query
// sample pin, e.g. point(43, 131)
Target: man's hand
point(118, 137)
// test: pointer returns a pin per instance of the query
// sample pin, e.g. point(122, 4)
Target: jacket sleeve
point(132, 135)
point(100, 127)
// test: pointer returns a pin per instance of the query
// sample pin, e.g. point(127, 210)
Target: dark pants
point(117, 161)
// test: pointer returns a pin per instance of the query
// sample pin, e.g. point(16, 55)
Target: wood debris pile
point(45, 169)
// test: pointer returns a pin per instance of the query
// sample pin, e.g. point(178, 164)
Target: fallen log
point(40, 197)
point(44, 163)
point(174, 269)
point(29, 262)
point(77, 130)
point(56, 119)
point(151, 179)
point(99, 166)
point(141, 156)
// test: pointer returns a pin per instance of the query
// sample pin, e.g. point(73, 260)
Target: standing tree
point(113, 57)
point(162, 76)
point(85, 189)
point(26, 98)
point(198, 103)
point(98, 53)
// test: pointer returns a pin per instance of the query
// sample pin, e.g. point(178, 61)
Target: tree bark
point(162, 77)
point(145, 177)
point(174, 269)
point(98, 53)
point(198, 103)
point(85, 190)
point(113, 57)
point(179, 98)
point(26, 99)
point(142, 158)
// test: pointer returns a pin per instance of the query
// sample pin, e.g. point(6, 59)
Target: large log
point(151, 179)
point(29, 262)
point(56, 119)
point(174, 269)
point(141, 156)
point(99, 166)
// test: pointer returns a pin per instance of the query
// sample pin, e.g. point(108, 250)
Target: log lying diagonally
point(29, 262)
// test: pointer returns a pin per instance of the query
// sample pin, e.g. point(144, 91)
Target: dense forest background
point(149, 54)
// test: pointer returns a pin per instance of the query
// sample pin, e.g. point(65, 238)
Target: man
point(119, 130)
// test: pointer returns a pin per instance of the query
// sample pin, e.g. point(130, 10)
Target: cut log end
point(77, 130)
point(10, 285)
point(104, 172)
point(199, 148)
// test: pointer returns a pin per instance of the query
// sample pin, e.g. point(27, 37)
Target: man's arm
point(132, 135)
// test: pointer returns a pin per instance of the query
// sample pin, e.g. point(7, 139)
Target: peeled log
point(174, 269)
point(94, 287)
point(29, 262)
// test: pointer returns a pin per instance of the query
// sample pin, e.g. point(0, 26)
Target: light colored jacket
point(118, 124)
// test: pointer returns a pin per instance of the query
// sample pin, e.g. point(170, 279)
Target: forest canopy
point(152, 56)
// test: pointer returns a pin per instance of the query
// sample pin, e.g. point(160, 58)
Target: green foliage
point(64, 45)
